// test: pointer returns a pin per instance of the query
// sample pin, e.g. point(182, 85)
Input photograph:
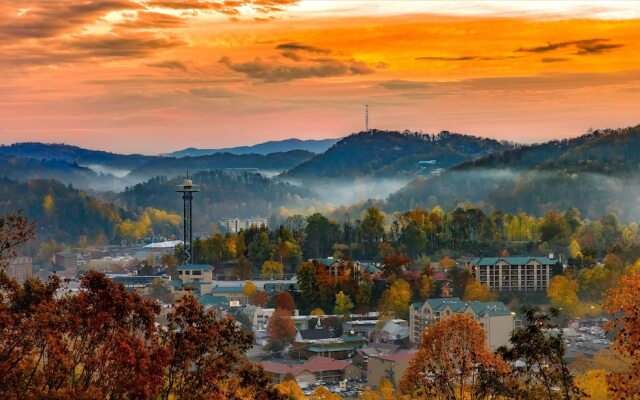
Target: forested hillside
point(60, 212)
point(222, 194)
point(274, 146)
point(596, 172)
point(391, 153)
point(170, 167)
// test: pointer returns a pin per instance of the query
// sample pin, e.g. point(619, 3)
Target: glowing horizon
point(155, 76)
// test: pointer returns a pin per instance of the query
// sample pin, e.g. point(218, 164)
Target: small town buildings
point(67, 260)
point(494, 317)
point(19, 268)
point(526, 274)
point(195, 273)
point(339, 348)
point(388, 366)
point(314, 370)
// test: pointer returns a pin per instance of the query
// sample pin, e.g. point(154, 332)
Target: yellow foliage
point(574, 249)
point(317, 312)
point(563, 293)
point(290, 389)
point(322, 393)
point(396, 299)
point(476, 291)
point(272, 270)
point(249, 289)
point(151, 218)
point(385, 392)
point(594, 384)
point(48, 204)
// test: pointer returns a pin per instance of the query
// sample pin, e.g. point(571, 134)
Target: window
point(197, 273)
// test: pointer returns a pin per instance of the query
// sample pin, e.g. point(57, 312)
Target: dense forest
point(596, 173)
point(391, 153)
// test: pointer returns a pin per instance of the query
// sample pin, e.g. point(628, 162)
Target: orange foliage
point(451, 358)
point(623, 304)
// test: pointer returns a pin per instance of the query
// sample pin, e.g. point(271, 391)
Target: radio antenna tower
point(366, 118)
point(187, 189)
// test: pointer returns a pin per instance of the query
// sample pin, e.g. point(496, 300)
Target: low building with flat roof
point(19, 268)
point(388, 366)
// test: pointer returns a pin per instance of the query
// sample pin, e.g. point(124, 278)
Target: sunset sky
point(153, 76)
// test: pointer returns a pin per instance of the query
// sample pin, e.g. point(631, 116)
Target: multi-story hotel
point(528, 274)
point(494, 317)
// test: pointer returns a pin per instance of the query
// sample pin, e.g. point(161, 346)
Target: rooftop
point(398, 356)
point(520, 260)
point(195, 267)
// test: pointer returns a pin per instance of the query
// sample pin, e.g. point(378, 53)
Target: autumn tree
point(322, 393)
point(207, 357)
point(476, 291)
point(15, 230)
point(307, 282)
point(395, 265)
point(447, 263)
point(259, 298)
point(272, 270)
point(453, 362)
point(623, 305)
point(396, 299)
point(427, 286)
point(290, 389)
point(385, 391)
point(249, 289)
point(536, 355)
point(317, 312)
point(285, 301)
point(594, 384)
point(281, 330)
point(563, 293)
point(343, 305)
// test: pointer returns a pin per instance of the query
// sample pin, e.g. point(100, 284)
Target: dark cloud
point(301, 47)
point(113, 45)
point(170, 64)
point(278, 72)
point(148, 19)
point(462, 58)
point(554, 59)
point(587, 46)
point(398, 84)
point(44, 18)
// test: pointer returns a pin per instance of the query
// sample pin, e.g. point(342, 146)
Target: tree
point(344, 305)
point(207, 357)
point(170, 262)
point(290, 389)
point(159, 291)
point(613, 263)
point(395, 265)
point(536, 353)
point(259, 298)
point(272, 270)
point(281, 330)
point(285, 301)
point(447, 263)
point(15, 230)
point(372, 230)
point(453, 362)
point(385, 391)
point(427, 286)
point(476, 291)
point(317, 312)
point(623, 306)
point(594, 384)
point(243, 268)
point(322, 393)
point(308, 285)
point(249, 289)
point(563, 293)
point(396, 299)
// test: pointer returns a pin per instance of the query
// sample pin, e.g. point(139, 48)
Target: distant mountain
point(275, 146)
point(74, 154)
point(608, 151)
point(222, 194)
point(598, 173)
point(171, 167)
point(390, 153)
